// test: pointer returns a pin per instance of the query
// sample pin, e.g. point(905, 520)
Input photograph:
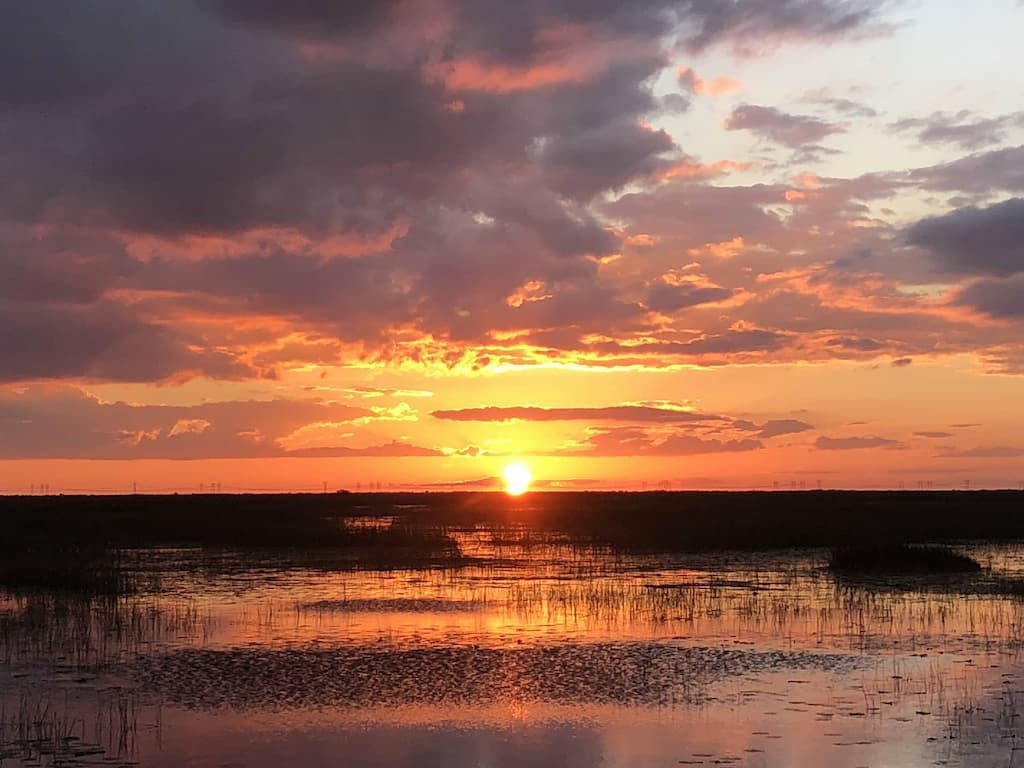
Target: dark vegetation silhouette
point(83, 542)
point(900, 559)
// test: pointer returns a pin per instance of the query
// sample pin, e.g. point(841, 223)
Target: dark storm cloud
point(586, 163)
point(510, 30)
point(769, 123)
point(64, 267)
point(962, 129)
point(316, 18)
point(268, 138)
point(56, 54)
point(101, 341)
point(975, 241)
point(171, 121)
point(1002, 297)
point(242, 129)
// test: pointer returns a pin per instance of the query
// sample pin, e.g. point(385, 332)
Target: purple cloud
point(773, 124)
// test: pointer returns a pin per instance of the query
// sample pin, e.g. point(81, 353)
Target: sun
point(517, 479)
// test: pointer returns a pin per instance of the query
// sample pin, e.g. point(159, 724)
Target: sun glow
point(517, 479)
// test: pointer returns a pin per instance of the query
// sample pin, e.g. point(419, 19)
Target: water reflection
point(536, 653)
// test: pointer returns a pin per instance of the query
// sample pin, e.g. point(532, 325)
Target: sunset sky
point(712, 244)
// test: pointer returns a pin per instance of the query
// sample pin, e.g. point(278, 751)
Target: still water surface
point(539, 655)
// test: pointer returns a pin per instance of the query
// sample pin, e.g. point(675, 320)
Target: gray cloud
point(314, 18)
point(975, 241)
point(665, 297)
point(631, 441)
point(732, 341)
point(779, 427)
point(998, 297)
point(961, 129)
point(981, 173)
point(248, 130)
point(752, 25)
point(769, 123)
point(842, 106)
point(102, 341)
point(459, 174)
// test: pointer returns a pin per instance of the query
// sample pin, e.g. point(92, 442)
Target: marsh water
point(526, 652)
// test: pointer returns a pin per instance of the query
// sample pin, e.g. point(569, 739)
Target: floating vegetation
point(901, 558)
point(42, 730)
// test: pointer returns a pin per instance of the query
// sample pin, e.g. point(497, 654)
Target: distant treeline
point(662, 521)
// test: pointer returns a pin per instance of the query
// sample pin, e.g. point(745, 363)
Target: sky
point(254, 245)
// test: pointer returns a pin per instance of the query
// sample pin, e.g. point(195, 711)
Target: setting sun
point(517, 479)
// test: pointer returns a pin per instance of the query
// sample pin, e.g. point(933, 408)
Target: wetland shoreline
point(654, 628)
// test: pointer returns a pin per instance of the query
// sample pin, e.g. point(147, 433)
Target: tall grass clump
point(900, 558)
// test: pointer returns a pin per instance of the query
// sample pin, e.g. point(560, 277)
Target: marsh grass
point(57, 572)
point(44, 730)
point(91, 546)
point(88, 634)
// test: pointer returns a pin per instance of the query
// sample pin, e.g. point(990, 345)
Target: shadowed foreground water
point(529, 655)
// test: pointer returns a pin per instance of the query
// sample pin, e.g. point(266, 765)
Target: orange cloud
point(688, 168)
point(189, 427)
point(808, 179)
point(568, 53)
point(476, 75)
point(533, 290)
point(641, 240)
point(723, 250)
point(719, 86)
